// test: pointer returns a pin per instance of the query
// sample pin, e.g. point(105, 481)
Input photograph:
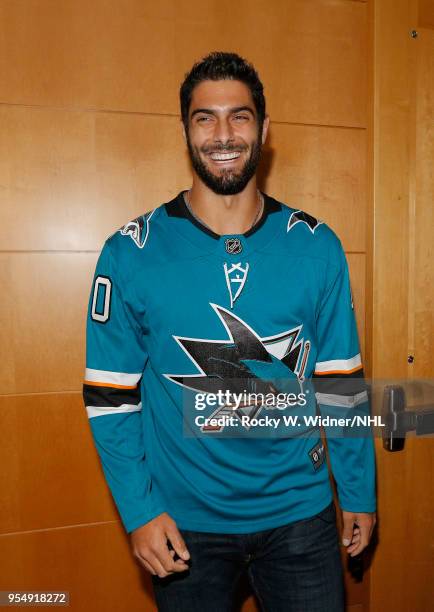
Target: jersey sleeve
point(115, 360)
point(341, 392)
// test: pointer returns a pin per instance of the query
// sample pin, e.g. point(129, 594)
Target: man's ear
point(265, 127)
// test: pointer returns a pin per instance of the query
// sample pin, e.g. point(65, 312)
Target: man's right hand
point(149, 543)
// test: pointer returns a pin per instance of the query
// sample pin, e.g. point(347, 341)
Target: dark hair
point(217, 66)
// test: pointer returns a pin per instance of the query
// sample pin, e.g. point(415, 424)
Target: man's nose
point(223, 131)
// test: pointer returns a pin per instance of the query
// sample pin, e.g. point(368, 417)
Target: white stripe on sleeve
point(97, 411)
point(338, 365)
point(342, 401)
point(114, 378)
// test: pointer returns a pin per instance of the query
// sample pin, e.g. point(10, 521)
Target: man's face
point(223, 136)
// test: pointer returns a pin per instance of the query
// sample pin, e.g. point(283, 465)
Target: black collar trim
point(178, 208)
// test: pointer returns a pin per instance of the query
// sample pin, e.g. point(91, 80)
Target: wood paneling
point(401, 571)
point(389, 339)
point(391, 156)
point(426, 13)
point(321, 171)
point(418, 461)
point(422, 271)
point(310, 54)
point(45, 306)
point(92, 562)
point(75, 177)
point(48, 450)
point(405, 496)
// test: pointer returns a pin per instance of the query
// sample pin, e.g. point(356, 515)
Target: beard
point(227, 182)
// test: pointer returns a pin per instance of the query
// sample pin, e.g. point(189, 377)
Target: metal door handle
point(398, 420)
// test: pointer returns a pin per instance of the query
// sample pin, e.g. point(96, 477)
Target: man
point(225, 289)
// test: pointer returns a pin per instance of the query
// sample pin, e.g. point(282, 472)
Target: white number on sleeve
point(104, 284)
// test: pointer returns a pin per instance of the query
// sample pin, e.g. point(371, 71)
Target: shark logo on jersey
point(300, 216)
point(138, 229)
point(243, 361)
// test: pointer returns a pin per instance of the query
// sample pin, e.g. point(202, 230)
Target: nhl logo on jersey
point(233, 246)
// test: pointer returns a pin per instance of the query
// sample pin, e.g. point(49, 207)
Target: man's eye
point(202, 119)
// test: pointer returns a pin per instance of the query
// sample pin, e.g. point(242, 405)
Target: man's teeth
point(225, 156)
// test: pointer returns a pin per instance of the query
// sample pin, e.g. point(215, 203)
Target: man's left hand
point(357, 530)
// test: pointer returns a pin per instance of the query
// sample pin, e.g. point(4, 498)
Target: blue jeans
point(293, 568)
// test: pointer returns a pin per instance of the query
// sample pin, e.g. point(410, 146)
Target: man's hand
point(356, 538)
point(149, 544)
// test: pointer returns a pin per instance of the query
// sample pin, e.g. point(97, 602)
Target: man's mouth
point(225, 156)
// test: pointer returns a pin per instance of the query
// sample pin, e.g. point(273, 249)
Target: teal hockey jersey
point(179, 313)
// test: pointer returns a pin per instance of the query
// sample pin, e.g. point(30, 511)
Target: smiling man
point(226, 292)
point(224, 136)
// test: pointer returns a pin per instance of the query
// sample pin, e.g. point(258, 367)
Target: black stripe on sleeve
point(110, 396)
point(340, 384)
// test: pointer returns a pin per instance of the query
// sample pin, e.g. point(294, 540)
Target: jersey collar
point(227, 245)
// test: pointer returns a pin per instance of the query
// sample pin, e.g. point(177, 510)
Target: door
point(402, 316)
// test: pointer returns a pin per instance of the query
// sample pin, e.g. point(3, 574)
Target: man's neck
point(226, 214)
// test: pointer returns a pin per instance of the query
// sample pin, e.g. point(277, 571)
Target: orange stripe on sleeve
point(104, 384)
point(359, 367)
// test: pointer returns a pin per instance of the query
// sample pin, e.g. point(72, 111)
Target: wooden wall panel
point(45, 305)
point(389, 334)
point(92, 562)
point(75, 177)
point(310, 53)
point(62, 486)
point(426, 14)
point(422, 269)
point(402, 303)
point(321, 171)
